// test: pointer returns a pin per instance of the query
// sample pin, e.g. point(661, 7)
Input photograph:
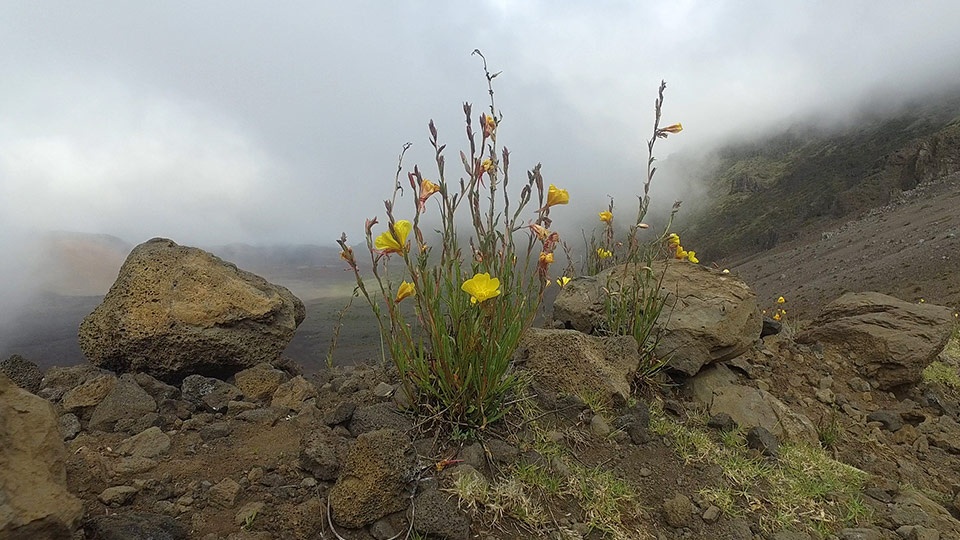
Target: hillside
point(806, 179)
point(908, 248)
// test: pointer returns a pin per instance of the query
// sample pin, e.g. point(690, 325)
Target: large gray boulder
point(176, 311)
point(34, 501)
point(887, 340)
point(708, 316)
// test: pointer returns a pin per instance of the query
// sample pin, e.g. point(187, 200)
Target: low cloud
point(219, 122)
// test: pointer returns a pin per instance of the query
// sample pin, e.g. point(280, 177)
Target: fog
point(218, 122)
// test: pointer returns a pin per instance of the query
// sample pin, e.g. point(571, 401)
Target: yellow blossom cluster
point(673, 242)
point(780, 313)
point(480, 287)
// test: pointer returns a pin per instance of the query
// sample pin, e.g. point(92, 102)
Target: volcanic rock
point(125, 401)
point(570, 362)
point(34, 501)
point(887, 340)
point(22, 372)
point(373, 480)
point(708, 316)
point(177, 310)
point(260, 382)
point(748, 407)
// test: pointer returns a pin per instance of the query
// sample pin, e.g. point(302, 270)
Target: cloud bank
point(221, 122)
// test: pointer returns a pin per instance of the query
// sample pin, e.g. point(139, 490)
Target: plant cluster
point(633, 301)
point(452, 307)
point(473, 300)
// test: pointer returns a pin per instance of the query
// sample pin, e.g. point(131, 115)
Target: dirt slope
point(909, 249)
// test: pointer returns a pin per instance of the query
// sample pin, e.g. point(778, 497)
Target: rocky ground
point(259, 455)
point(826, 429)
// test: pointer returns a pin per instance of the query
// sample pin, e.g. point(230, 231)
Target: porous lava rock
point(570, 362)
point(177, 310)
point(22, 372)
point(373, 480)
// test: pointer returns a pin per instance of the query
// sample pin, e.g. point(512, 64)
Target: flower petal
point(556, 196)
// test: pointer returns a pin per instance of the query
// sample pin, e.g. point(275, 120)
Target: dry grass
point(805, 489)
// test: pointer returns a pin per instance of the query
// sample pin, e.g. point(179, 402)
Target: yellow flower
point(546, 258)
point(692, 257)
point(388, 243)
point(562, 281)
point(673, 240)
point(922, 300)
point(673, 128)
point(604, 253)
point(487, 165)
point(679, 252)
point(606, 216)
point(427, 188)
point(489, 125)
point(481, 287)
point(556, 196)
point(776, 316)
point(541, 232)
point(406, 289)
point(781, 300)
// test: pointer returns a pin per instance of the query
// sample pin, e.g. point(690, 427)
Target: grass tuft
point(942, 373)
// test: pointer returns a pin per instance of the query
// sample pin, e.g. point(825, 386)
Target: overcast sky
point(258, 122)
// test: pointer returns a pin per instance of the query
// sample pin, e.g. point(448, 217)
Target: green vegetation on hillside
point(773, 189)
